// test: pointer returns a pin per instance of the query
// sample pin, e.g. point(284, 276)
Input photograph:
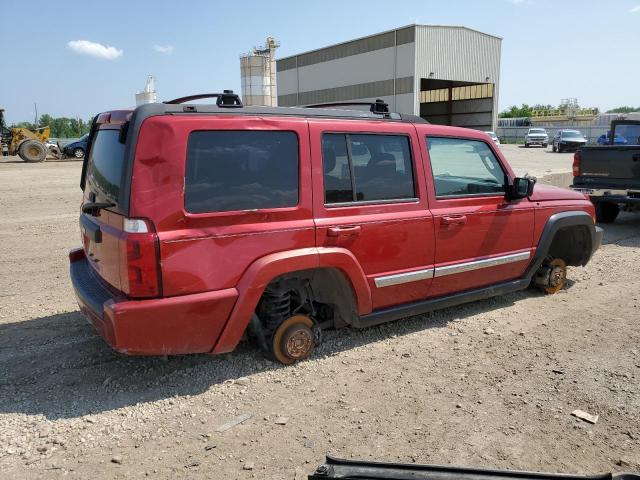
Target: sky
point(81, 58)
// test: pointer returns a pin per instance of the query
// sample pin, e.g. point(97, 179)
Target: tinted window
point(630, 132)
point(104, 165)
point(464, 167)
point(366, 167)
point(241, 170)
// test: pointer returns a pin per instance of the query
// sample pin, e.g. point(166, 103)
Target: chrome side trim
point(478, 264)
point(400, 278)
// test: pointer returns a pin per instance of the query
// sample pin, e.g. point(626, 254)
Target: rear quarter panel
point(210, 251)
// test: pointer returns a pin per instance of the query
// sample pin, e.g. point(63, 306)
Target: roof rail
point(226, 99)
point(379, 107)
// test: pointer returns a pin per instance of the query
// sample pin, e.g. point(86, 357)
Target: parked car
point(567, 140)
point(203, 223)
point(618, 139)
point(494, 137)
point(610, 174)
point(536, 136)
point(78, 148)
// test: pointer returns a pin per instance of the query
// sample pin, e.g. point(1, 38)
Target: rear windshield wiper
point(93, 206)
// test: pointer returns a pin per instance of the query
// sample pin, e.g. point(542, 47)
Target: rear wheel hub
point(293, 340)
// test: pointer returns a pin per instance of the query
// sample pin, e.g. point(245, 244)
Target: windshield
point(537, 131)
point(104, 165)
point(571, 134)
point(631, 133)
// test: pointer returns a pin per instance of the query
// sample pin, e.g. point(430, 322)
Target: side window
point(241, 170)
point(464, 167)
point(366, 167)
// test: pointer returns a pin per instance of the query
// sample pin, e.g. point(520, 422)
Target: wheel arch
point(270, 267)
point(560, 230)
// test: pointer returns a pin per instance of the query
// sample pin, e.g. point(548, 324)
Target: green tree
point(28, 125)
point(517, 112)
point(64, 127)
point(624, 109)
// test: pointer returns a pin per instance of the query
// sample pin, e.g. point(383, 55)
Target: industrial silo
point(148, 95)
point(258, 75)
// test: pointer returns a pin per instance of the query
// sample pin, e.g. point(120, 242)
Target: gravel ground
point(489, 384)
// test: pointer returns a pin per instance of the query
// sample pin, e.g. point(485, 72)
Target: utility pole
point(35, 122)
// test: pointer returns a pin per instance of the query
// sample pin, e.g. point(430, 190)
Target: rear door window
point(231, 170)
point(367, 167)
point(105, 163)
point(464, 167)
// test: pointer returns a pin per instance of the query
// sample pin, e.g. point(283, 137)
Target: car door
point(481, 237)
point(369, 198)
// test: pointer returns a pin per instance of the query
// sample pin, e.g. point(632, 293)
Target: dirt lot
point(489, 384)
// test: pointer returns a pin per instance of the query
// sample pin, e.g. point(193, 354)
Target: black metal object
point(417, 308)
point(226, 99)
point(88, 288)
point(379, 106)
point(336, 468)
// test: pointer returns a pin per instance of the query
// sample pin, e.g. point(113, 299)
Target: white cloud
point(166, 49)
point(635, 9)
point(93, 49)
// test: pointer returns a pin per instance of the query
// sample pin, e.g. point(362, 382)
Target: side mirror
point(522, 187)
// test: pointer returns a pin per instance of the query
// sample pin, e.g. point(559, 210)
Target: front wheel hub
point(553, 276)
point(293, 340)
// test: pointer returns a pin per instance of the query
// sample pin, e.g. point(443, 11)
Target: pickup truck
point(610, 174)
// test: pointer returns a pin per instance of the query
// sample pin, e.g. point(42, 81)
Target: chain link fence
point(517, 134)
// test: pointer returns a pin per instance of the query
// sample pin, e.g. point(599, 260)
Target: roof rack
point(379, 107)
point(226, 99)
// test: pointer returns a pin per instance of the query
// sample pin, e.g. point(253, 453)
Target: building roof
point(388, 31)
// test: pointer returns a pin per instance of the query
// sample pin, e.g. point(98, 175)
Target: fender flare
point(574, 218)
point(261, 272)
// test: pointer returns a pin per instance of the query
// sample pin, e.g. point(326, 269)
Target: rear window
point(104, 165)
point(630, 132)
point(241, 170)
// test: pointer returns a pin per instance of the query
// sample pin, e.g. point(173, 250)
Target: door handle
point(345, 231)
point(454, 220)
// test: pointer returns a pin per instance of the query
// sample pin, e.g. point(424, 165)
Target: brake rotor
point(293, 340)
point(557, 276)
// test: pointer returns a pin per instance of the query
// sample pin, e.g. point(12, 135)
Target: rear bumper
point(596, 239)
point(609, 194)
point(159, 326)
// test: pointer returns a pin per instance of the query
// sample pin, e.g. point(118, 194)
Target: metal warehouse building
point(448, 75)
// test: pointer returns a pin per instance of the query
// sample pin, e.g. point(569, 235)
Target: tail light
point(577, 157)
point(140, 259)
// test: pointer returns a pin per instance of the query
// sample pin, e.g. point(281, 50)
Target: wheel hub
point(293, 340)
point(298, 343)
point(557, 276)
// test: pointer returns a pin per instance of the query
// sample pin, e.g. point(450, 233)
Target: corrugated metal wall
point(379, 66)
point(391, 65)
point(460, 54)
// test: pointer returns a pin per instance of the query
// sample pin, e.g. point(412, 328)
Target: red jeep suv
point(201, 223)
